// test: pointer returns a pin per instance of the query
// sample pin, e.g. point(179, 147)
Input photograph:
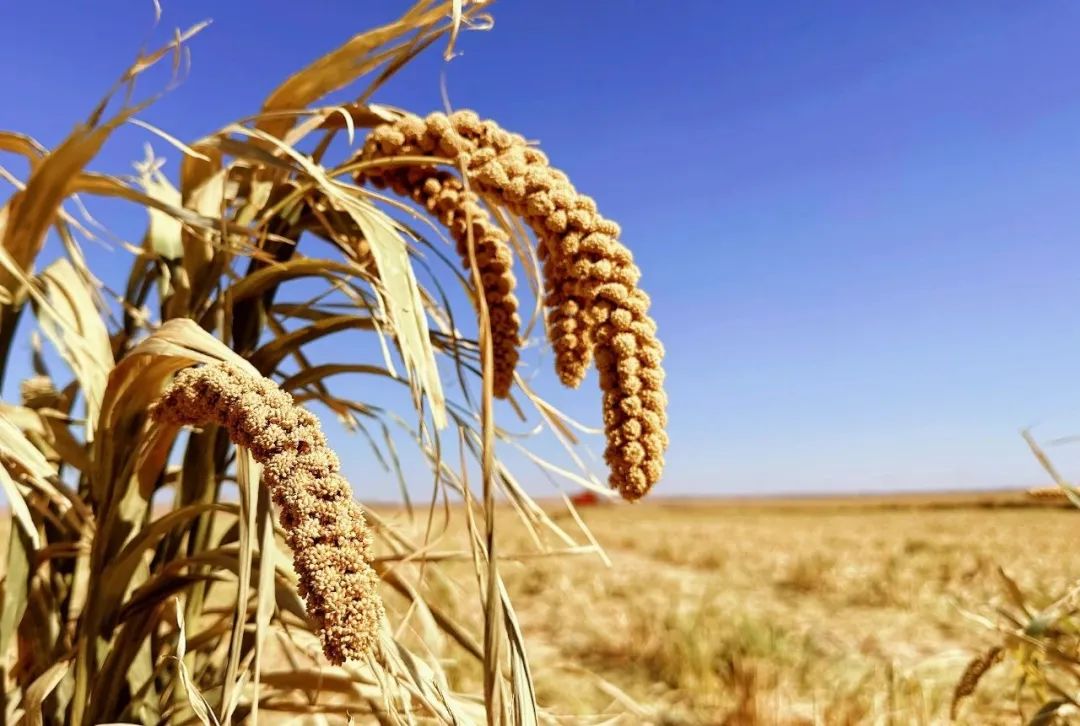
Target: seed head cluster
point(595, 308)
point(325, 527)
point(445, 197)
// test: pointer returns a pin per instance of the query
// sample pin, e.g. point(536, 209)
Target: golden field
point(858, 610)
point(830, 611)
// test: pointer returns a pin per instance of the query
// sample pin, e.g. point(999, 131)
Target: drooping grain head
point(326, 530)
point(595, 308)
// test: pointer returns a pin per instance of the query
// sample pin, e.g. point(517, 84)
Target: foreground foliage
point(1038, 632)
point(146, 577)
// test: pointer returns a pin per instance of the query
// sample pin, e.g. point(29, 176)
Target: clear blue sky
point(858, 221)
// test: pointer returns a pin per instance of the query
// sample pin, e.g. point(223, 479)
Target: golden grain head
point(595, 308)
point(973, 673)
point(326, 528)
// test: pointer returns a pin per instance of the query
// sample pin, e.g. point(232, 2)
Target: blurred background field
point(831, 610)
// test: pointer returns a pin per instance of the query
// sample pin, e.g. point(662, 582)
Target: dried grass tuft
point(1048, 494)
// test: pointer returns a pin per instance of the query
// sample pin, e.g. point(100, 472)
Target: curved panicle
point(596, 311)
point(326, 529)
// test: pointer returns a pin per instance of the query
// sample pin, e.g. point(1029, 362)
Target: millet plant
point(184, 547)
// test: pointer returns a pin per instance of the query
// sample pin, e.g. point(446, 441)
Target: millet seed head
point(326, 529)
point(594, 306)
